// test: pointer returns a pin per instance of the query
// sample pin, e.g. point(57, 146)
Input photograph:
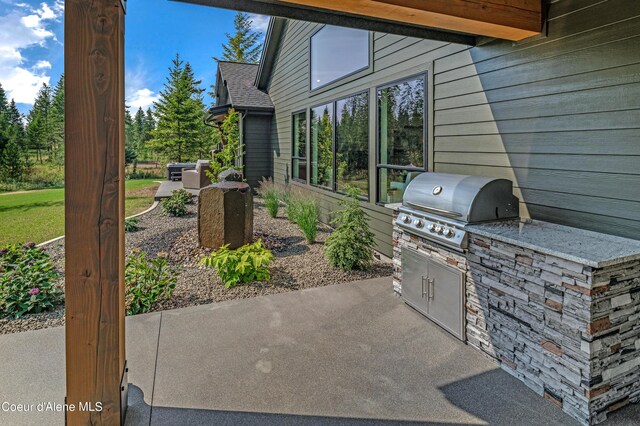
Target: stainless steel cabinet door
point(414, 273)
point(444, 294)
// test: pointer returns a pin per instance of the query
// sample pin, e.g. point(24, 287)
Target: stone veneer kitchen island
point(559, 308)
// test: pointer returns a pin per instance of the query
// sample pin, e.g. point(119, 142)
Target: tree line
point(173, 130)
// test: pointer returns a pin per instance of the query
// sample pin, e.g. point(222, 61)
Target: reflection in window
point(322, 146)
point(352, 140)
point(337, 52)
point(401, 137)
point(299, 148)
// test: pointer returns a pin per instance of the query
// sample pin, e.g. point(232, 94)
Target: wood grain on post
point(94, 208)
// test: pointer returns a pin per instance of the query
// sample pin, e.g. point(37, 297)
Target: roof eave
point(271, 44)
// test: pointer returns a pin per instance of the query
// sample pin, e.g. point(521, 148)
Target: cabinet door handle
point(430, 288)
point(424, 293)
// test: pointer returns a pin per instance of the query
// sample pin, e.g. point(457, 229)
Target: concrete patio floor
point(348, 354)
point(167, 187)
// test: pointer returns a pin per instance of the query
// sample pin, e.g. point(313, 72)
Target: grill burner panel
point(437, 206)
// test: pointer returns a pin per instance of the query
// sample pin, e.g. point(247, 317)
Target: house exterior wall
point(256, 134)
point(559, 115)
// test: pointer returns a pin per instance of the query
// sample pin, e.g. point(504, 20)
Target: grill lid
point(463, 198)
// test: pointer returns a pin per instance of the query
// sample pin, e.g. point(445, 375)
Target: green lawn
point(39, 215)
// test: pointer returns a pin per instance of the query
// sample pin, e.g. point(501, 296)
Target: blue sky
point(31, 45)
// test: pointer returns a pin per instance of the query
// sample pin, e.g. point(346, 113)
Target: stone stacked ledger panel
point(570, 332)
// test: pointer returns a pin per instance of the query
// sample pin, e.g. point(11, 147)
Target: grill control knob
point(432, 227)
point(406, 219)
point(449, 233)
point(419, 223)
point(440, 229)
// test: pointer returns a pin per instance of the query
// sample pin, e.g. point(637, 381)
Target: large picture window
point(339, 145)
point(322, 146)
point(352, 144)
point(337, 52)
point(401, 137)
point(299, 147)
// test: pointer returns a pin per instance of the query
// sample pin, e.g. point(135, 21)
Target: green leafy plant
point(271, 195)
point(147, 281)
point(230, 146)
point(242, 265)
point(131, 224)
point(183, 195)
point(307, 218)
point(27, 281)
point(176, 204)
point(350, 246)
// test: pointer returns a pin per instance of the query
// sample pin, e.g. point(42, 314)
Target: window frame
point(425, 132)
point(306, 134)
point(334, 145)
point(345, 78)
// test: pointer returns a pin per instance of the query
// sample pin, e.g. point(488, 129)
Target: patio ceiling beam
point(505, 19)
point(94, 209)
point(335, 17)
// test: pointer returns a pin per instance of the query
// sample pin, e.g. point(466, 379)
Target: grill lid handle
point(434, 210)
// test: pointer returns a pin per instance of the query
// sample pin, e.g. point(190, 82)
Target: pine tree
point(179, 133)
point(12, 152)
point(39, 124)
point(57, 122)
point(245, 45)
point(129, 149)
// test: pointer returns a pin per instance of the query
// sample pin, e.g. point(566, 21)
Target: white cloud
point(21, 29)
point(141, 98)
point(259, 22)
point(137, 92)
point(41, 65)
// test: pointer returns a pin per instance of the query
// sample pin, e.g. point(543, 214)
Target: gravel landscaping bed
point(297, 264)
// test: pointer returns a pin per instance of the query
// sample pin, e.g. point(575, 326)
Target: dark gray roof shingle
point(240, 80)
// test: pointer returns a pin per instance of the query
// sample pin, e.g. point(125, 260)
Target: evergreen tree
point(179, 133)
point(129, 148)
point(12, 153)
point(57, 122)
point(39, 123)
point(245, 45)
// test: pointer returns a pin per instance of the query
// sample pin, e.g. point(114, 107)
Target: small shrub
point(307, 218)
point(183, 195)
point(131, 224)
point(269, 192)
point(176, 204)
point(293, 198)
point(350, 246)
point(243, 265)
point(147, 281)
point(27, 281)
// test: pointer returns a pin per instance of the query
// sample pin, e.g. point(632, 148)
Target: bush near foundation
point(147, 281)
point(242, 265)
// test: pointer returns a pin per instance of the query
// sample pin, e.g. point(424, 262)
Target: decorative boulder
point(225, 212)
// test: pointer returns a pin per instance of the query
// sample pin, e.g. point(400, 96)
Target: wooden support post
point(94, 209)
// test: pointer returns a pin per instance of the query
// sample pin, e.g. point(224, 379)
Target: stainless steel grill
point(437, 206)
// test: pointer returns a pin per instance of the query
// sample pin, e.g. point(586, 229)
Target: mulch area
point(297, 264)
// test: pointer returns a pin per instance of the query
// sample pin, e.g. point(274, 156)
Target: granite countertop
point(578, 245)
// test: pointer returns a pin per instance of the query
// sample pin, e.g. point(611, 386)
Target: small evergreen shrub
point(242, 265)
point(27, 281)
point(131, 224)
point(176, 204)
point(350, 246)
point(307, 218)
point(147, 281)
point(184, 195)
point(271, 195)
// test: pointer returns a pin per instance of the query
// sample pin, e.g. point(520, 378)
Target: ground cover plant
point(39, 215)
point(27, 281)
point(350, 246)
point(176, 205)
point(131, 224)
point(242, 265)
point(148, 281)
